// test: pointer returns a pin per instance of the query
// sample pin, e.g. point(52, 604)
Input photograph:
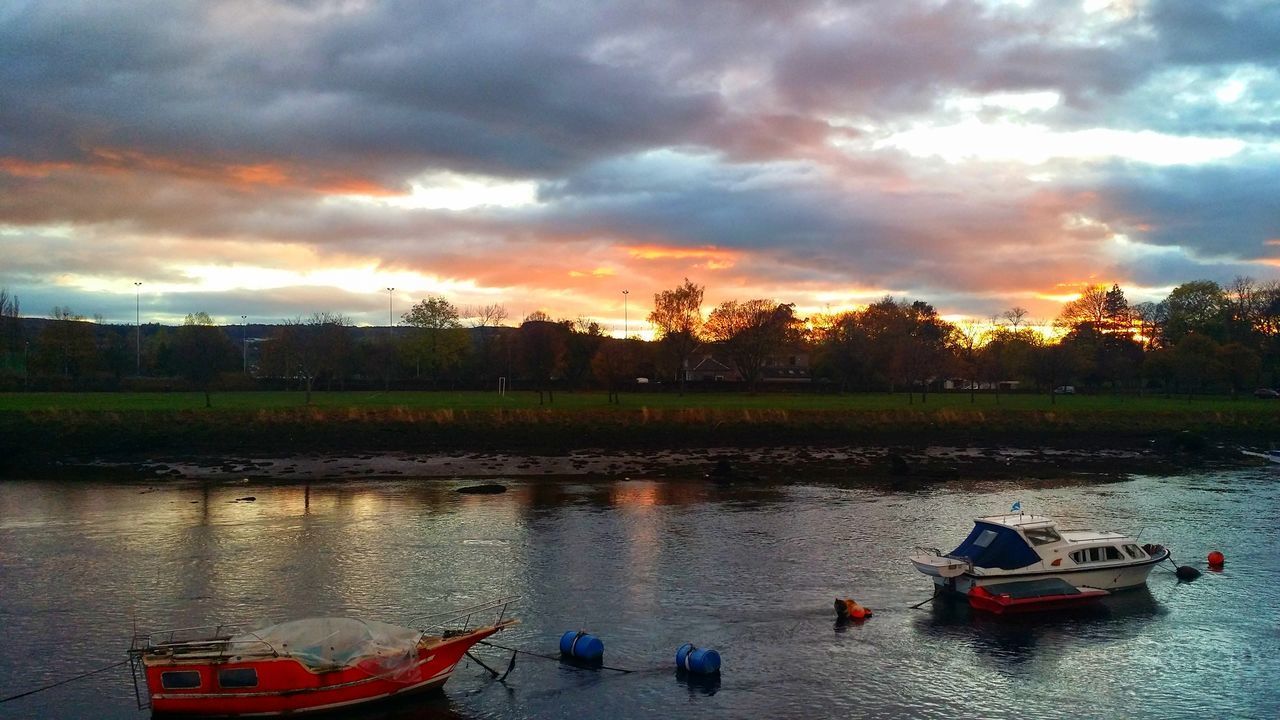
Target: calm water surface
point(751, 571)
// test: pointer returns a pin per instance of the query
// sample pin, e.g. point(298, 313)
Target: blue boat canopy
point(995, 546)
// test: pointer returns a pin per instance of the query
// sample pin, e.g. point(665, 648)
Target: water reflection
point(649, 565)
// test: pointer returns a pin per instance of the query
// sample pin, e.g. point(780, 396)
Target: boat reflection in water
point(1022, 638)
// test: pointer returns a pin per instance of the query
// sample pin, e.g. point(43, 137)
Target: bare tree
point(970, 336)
point(1090, 308)
point(491, 315)
point(312, 346)
point(10, 324)
point(1015, 316)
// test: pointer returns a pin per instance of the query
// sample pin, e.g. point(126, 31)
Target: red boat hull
point(286, 686)
point(1003, 604)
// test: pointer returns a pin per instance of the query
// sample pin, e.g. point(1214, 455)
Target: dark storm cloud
point(394, 89)
point(1214, 33)
point(1213, 212)
point(181, 129)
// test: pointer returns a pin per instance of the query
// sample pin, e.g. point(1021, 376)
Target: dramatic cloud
point(272, 157)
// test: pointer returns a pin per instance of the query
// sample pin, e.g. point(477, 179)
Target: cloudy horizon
point(272, 158)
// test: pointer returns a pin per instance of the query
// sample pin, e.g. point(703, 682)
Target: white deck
point(1080, 536)
point(1018, 520)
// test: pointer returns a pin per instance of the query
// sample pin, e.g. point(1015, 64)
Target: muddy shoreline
point(895, 465)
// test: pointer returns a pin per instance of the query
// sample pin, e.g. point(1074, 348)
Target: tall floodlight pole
point(390, 324)
point(624, 313)
point(244, 341)
point(137, 323)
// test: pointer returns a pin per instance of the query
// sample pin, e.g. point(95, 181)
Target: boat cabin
point(1011, 542)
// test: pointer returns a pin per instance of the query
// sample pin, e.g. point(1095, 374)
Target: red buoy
point(1216, 559)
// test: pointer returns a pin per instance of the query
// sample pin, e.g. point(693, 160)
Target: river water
point(647, 565)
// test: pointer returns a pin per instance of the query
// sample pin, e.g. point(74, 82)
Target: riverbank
point(899, 466)
point(42, 434)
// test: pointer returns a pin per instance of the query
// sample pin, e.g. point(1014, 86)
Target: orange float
point(1216, 559)
point(848, 609)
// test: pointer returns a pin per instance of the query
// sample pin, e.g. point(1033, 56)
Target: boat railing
point(460, 620)
point(212, 640)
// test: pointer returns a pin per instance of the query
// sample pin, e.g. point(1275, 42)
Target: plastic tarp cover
point(327, 643)
point(995, 546)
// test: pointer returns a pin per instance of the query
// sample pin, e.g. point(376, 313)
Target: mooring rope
point(547, 657)
point(64, 682)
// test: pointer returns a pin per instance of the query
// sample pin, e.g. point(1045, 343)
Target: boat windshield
point(1042, 536)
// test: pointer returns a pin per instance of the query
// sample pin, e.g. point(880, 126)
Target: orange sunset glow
point(977, 155)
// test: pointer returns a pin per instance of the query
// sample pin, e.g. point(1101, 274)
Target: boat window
point(1095, 554)
point(1077, 557)
point(180, 680)
point(1113, 553)
point(985, 538)
point(1134, 551)
point(238, 678)
point(1043, 536)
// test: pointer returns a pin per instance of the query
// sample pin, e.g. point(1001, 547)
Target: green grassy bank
point(41, 429)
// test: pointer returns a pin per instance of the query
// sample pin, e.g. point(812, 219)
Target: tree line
point(1201, 338)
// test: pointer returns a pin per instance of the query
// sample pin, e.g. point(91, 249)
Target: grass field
point(597, 402)
point(45, 429)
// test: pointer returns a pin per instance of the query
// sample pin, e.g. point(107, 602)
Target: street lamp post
point(390, 323)
point(244, 341)
point(137, 323)
point(624, 313)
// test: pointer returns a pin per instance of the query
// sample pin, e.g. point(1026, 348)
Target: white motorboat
point(1018, 546)
point(1272, 455)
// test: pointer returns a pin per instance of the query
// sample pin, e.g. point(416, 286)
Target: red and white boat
point(301, 666)
point(1028, 596)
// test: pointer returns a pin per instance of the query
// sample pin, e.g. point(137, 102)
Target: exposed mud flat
point(783, 464)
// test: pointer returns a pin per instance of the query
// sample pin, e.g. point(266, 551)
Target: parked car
point(1266, 393)
point(1064, 390)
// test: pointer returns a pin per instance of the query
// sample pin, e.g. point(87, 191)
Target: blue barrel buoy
point(700, 661)
point(581, 646)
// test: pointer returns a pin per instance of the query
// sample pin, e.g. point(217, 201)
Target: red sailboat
point(302, 665)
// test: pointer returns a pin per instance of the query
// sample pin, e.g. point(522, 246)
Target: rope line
point(546, 657)
point(64, 682)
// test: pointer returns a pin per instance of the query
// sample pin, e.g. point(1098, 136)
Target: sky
point(277, 158)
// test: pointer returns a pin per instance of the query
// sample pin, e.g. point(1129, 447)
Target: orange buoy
point(1216, 559)
point(848, 609)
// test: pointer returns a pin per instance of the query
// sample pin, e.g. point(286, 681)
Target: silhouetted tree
point(843, 350)
point(541, 352)
point(751, 332)
point(1195, 362)
point(66, 346)
point(677, 317)
point(1240, 366)
point(1194, 307)
point(202, 351)
point(615, 365)
point(438, 340)
point(581, 346)
point(308, 348)
point(12, 343)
